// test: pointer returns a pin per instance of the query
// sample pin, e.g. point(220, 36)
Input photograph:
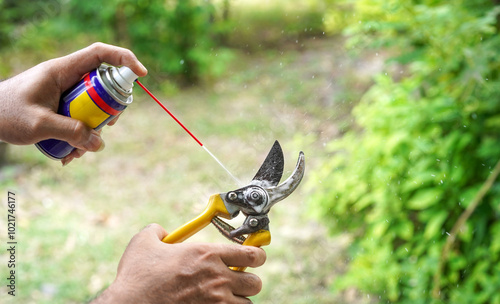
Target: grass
point(74, 222)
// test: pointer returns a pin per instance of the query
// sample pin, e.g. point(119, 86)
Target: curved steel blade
point(282, 191)
point(271, 170)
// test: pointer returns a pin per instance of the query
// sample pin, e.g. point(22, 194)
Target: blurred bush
point(259, 25)
point(427, 141)
point(16, 14)
point(188, 41)
point(173, 37)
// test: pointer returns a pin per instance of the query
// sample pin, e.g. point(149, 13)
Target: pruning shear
point(254, 201)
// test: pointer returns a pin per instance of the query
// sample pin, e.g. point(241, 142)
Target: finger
point(114, 120)
point(77, 153)
point(242, 256)
point(155, 230)
point(91, 57)
point(242, 300)
point(245, 284)
point(73, 131)
point(67, 159)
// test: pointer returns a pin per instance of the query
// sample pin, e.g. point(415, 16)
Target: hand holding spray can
point(95, 100)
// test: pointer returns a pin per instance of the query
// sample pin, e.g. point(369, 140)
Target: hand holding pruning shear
point(254, 201)
point(199, 273)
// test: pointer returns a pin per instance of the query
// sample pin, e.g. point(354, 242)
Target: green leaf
point(380, 228)
point(425, 198)
point(435, 224)
point(404, 230)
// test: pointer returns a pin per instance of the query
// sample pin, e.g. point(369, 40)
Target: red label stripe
point(97, 99)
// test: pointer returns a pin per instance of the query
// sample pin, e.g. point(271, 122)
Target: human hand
point(152, 272)
point(29, 101)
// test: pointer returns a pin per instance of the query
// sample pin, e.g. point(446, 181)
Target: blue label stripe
point(103, 94)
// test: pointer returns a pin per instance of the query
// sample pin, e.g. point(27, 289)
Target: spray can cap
point(124, 77)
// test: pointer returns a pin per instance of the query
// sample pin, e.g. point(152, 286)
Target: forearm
point(7, 111)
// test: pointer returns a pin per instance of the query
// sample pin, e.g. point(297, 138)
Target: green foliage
point(20, 14)
point(173, 37)
point(429, 140)
point(187, 41)
point(337, 16)
point(20, 22)
point(261, 25)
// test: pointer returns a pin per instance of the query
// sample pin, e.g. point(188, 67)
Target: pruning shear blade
point(255, 200)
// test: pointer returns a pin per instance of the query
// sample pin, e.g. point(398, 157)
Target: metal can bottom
point(60, 148)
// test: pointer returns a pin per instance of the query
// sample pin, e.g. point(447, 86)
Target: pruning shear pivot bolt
point(254, 201)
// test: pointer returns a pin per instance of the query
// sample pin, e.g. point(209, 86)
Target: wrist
point(113, 294)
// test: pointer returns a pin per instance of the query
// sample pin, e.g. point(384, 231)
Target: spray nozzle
point(124, 77)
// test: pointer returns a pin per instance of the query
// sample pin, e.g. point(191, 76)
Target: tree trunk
point(120, 28)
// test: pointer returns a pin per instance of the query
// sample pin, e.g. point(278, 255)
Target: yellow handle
point(215, 207)
point(257, 239)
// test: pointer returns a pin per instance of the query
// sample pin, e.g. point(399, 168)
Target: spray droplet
point(223, 167)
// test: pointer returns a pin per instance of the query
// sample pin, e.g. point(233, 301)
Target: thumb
point(155, 230)
point(91, 57)
point(71, 130)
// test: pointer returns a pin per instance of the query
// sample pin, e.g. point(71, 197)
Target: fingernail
point(66, 160)
point(95, 143)
point(103, 145)
point(78, 153)
point(143, 67)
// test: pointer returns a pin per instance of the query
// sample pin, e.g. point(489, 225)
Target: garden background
point(396, 105)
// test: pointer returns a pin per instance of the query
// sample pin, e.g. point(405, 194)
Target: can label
point(88, 101)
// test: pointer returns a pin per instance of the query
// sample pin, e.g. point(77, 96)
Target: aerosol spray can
point(95, 100)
